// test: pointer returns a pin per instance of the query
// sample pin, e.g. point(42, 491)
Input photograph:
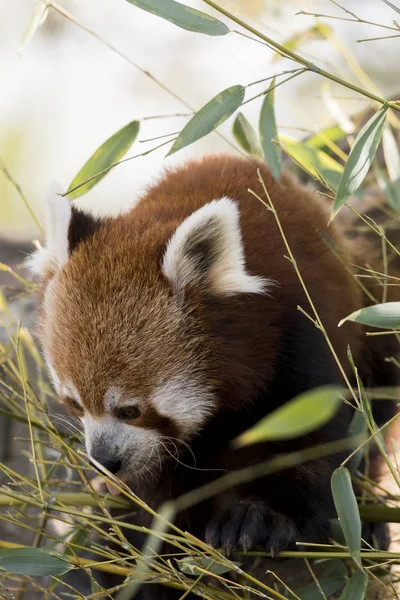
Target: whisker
point(172, 439)
point(184, 464)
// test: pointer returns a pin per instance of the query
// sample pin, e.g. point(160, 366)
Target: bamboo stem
point(69, 499)
point(297, 58)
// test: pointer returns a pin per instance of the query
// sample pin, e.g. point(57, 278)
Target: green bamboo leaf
point(357, 428)
point(384, 316)
point(356, 587)
point(184, 16)
point(329, 587)
point(367, 414)
point(245, 135)
point(79, 537)
point(331, 578)
point(391, 5)
point(268, 131)
point(192, 565)
point(347, 511)
point(314, 32)
point(331, 134)
point(303, 414)
point(360, 158)
point(37, 18)
point(209, 117)
point(102, 160)
point(391, 153)
point(34, 562)
point(391, 188)
point(315, 162)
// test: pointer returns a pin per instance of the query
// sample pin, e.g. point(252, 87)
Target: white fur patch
point(55, 254)
point(217, 225)
point(186, 402)
point(110, 438)
point(54, 377)
point(111, 397)
point(63, 388)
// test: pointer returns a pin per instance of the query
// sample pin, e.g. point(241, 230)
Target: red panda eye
point(74, 405)
point(127, 413)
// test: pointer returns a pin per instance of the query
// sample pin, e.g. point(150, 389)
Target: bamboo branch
point(299, 59)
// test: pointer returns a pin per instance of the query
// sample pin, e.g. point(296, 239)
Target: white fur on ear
point(55, 253)
point(208, 247)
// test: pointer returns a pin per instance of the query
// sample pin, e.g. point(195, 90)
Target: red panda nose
point(111, 465)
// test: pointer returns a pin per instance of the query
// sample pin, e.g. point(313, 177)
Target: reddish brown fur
point(111, 300)
point(110, 318)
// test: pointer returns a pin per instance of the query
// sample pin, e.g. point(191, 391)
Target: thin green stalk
point(75, 21)
point(337, 18)
point(278, 463)
point(67, 498)
point(297, 58)
point(174, 95)
point(270, 206)
point(315, 579)
point(379, 555)
point(21, 194)
point(120, 162)
point(115, 569)
point(270, 89)
point(31, 434)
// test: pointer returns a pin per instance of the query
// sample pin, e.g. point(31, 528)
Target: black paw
point(248, 525)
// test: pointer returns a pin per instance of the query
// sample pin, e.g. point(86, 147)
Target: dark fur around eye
point(128, 413)
point(74, 406)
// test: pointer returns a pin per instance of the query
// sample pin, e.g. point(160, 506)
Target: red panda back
point(304, 217)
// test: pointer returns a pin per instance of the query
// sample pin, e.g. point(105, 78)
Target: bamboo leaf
point(329, 586)
point(347, 511)
point(357, 428)
point(245, 135)
point(314, 32)
point(384, 316)
point(367, 414)
point(37, 18)
point(303, 414)
point(109, 153)
point(33, 561)
point(360, 158)
point(331, 579)
point(183, 16)
point(209, 117)
point(79, 537)
point(268, 131)
point(315, 162)
point(391, 153)
point(356, 587)
point(391, 189)
point(194, 565)
point(330, 134)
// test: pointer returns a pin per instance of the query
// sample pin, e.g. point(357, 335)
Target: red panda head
point(124, 327)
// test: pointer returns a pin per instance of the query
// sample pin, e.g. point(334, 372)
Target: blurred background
point(67, 91)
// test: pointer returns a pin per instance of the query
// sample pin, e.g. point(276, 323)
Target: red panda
point(175, 327)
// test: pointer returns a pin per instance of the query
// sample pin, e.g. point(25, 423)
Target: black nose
point(111, 465)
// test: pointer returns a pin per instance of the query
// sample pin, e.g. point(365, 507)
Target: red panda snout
point(140, 434)
point(125, 450)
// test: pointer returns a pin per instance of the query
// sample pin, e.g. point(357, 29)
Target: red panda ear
point(66, 227)
point(207, 248)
